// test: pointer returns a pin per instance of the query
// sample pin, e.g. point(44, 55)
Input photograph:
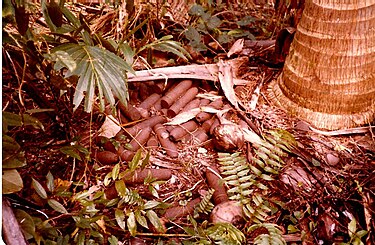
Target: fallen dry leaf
point(236, 48)
point(110, 127)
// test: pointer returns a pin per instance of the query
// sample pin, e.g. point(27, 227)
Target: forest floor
point(187, 129)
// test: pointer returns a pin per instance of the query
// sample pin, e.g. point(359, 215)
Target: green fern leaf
point(273, 237)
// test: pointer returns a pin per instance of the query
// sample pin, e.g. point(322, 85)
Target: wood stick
point(200, 72)
point(12, 233)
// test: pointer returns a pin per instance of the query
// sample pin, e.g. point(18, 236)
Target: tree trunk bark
point(329, 76)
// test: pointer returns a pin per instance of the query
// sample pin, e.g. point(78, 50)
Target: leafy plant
point(248, 181)
point(204, 22)
point(225, 233)
point(75, 150)
point(219, 233)
point(131, 209)
point(13, 157)
point(205, 205)
point(243, 185)
point(272, 237)
point(355, 234)
point(54, 204)
point(95, 67)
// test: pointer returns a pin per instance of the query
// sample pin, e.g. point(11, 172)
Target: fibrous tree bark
point(329, 76)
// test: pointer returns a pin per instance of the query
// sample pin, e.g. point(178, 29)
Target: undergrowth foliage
point(96, 213)
point(247, 182)
point(205, 205)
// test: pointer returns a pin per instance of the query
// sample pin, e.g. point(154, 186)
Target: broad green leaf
point(81, 238)
point(246, 21)
point(352, 227)
point(132, 225)
point(151, 204)
point(50, 182)
point(120, 187)
point(12, 156)
point(135, 161)
point(26, 222)
point(145, 161)
point(71, 17)
point(58, 207)
point(361, 233)
point(196, 10)
point(120, 218)
point(12, 181)
point(192, 34)
point(115, 171)
point(154, 219)
point(113, 240)
point(82, 149)
point(97, 68)
point(153, 191)
point(107, 179)
point(71, 151)
point(39, 189)
point(13, 119)
point(292, 229)
point(63, 240)
point(141, 219)
point(213, 22)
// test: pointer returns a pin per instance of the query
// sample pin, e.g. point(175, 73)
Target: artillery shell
point(172, 95)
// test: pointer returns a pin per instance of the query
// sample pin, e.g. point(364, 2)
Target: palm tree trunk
point(329, 76)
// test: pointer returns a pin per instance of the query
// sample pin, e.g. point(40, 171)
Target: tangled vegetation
point(65, 69)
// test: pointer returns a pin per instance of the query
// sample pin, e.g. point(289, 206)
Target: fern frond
point(205, 206)
point(246, 181)
point(274, 236)
point(225, 234)
point(131, 197)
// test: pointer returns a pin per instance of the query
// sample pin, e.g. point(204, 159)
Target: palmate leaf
point(96, 68)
